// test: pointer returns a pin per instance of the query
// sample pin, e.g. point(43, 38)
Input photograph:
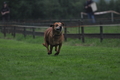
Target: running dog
point(54, 37)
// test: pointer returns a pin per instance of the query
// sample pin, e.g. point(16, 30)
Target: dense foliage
point(53, 9)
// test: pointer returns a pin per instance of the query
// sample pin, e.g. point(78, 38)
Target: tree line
point(54, 9)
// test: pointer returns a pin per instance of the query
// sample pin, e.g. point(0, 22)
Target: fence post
point(112, 17)
point(14, 31)
point(0, 28)
point(4, 31)
point(24, 33)
point(79, 22)
point(33, 33)
point(82, 31)
point(65, 36)
point(101, 32)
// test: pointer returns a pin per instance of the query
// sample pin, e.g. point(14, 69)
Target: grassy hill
point(27, 59)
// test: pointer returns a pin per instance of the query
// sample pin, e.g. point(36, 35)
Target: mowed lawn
point(28, 60)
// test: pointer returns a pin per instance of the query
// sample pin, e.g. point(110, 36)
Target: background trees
point(54, 9)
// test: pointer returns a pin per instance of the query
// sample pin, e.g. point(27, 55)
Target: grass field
point(27, 59)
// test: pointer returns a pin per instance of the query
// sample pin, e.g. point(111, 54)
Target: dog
point(54, 37)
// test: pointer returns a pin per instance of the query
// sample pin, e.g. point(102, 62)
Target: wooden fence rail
point(81, 35)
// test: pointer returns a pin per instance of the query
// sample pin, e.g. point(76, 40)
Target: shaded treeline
point(53, 9)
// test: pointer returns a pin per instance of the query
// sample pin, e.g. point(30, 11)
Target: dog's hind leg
point(44, 45)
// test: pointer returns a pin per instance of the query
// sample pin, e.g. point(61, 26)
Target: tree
point(102, 5)
point(53, 9)
point(117, 7)
point(111, 5)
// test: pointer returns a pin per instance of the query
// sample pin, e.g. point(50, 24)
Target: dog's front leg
point(58, 51)
point(50, 51)
point(55, 48)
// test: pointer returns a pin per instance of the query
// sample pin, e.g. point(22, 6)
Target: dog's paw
point(56, 53)
point(49, 53)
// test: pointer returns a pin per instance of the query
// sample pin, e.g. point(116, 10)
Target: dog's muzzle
point(59, 28)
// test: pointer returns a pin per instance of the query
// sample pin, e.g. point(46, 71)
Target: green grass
point(27, 59)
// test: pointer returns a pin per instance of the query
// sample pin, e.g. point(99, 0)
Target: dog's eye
point(56, 25)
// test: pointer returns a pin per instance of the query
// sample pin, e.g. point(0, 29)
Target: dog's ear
point(63, 24)
point(51, 25)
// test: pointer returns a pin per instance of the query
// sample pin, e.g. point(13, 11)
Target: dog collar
point(58, 35)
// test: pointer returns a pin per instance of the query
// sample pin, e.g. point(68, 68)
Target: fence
point(81, 33)
point(22, 29)
point(28, 29)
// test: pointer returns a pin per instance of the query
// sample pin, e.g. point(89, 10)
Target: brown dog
point(54, 37)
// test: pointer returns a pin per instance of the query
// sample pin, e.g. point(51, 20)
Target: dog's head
point(57, 26)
